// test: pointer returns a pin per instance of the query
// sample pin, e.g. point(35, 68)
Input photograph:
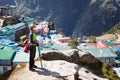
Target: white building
point(8, 10)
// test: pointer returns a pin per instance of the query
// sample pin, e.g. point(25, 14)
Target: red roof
point(101, 44)
point(91, 44)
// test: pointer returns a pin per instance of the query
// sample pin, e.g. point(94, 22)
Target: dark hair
point(31, 27)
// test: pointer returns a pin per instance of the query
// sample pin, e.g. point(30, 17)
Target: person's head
point(32, 28)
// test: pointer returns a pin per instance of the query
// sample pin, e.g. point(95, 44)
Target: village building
point(106, 37)
point(8, 10)
point(6, 57)
point(1, 22)
point(107, 55)
point(118, 39)
point(14, 32)
point(42, 28)
point(11, 56)
point(63, 40)
point(10, 31)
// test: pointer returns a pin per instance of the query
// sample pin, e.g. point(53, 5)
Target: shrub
point(73, 43)
point(92, 39)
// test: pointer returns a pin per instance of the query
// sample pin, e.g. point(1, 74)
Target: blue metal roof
point(118, 48)
point(8, 42)
point(52, 36)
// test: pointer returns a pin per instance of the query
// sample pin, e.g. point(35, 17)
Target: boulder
point(72, 55)
point(77, 57)
point(54, 55)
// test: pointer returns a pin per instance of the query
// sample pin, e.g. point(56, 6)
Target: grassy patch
point(109, 73)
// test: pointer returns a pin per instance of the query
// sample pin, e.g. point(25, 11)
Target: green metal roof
point(9, 30)
point(109, 43)
point(117, 61)
point(94, 52)
point(6, 31)
point(59, 47)
point(21, 56)
point(85, 47)
point(103, 52)
point(29, 20)
point(6, 28)
point(109, 52)
point(15, 26)
point(6, 53)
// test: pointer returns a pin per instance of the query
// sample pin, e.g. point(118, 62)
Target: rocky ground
point(59, 66)
point(54, 70)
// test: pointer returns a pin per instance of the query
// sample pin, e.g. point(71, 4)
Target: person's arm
point(31, 38)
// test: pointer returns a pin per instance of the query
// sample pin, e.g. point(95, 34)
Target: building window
point(107, 60)
point(5, 63)
point(4, 69)
point(8, 62)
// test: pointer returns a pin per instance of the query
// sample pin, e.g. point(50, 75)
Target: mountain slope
point(74, 17)
point(99, 17)
point(5, 2)
point(64, 13)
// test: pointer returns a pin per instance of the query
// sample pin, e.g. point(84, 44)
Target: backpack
point(26, 46)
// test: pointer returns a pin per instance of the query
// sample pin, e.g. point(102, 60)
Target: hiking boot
point(34, 66)
point(31, 69)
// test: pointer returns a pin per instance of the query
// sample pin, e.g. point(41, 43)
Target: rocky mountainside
point(99, 17)
point(74, 17)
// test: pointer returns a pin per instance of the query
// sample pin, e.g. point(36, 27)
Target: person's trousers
point(32, 56)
